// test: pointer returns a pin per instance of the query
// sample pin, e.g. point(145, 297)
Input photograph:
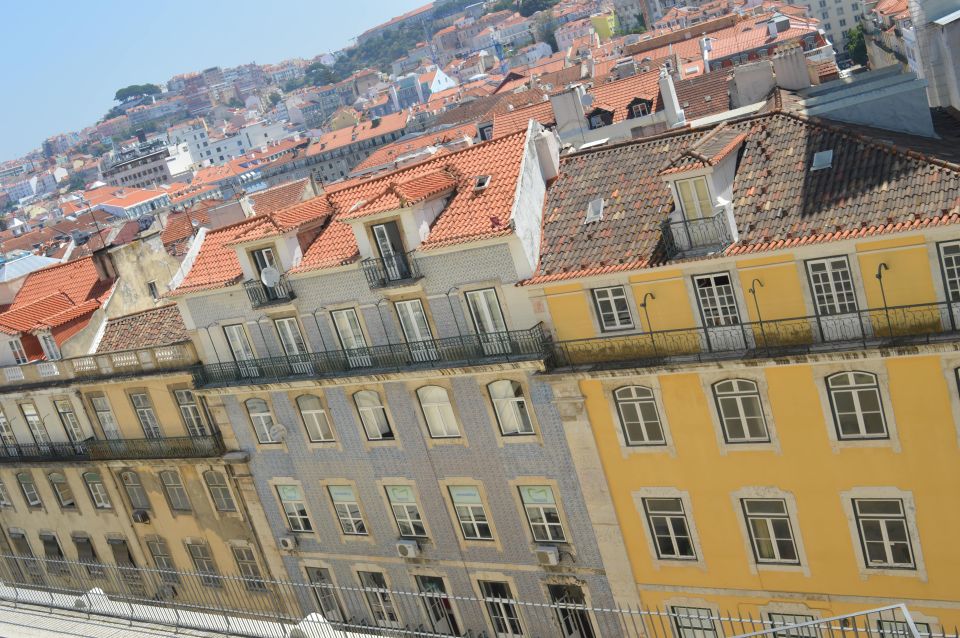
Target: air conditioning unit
point(288, 543)
point(141, 516)
point(408, 549)
point(547, 555)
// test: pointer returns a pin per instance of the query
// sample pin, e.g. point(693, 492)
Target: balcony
point(516, 345)
point(181, 447)
point(877, 327)
point(393, 270)
point(691, 237)
point(179, 356)
point(261, 295)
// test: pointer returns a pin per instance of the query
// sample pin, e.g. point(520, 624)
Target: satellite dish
point(586, 100)
point(270, 276)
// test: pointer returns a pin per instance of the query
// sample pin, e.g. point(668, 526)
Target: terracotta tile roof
point(617, 96)
point(277, 197)
point(180, 227)
point(518, 119)
point(385, 155)
point(777, 201)
point(161, 326)
point(217, 264)
point(362, 131)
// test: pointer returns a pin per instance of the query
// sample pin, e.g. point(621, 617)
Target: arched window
point(135, 492)
point(741, 412)
point(856, 405)
point(373, 415)
point(314, 418)
point(639, 417)
point(262, 420)
point(510, 407)
point(176, 494)
point(98, 491)
point(29, 489)
point(219, 491)
point(62, 490)
point(438, 412)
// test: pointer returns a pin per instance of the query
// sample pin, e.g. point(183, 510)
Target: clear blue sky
point(62, 61)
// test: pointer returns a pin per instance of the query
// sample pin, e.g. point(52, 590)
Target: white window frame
point(855, 388)
point(736, 394)
point(294, 509)
point(832, 286)
point(503, 612)
point(190, 412)
point(69, 420)
point(543, 514)
point(766, 523)
point(373, 417)
point(513, 415)
point(347, 509)
point(220, 492)
point(885, 540)
point(670, 517)
point(605, 303)
point(639, 396)
point(406, 511)
point(261, 421)
point(146, 415)
point(248, 568)
point(19, 354)
point(97, 490)
point(438, 412)
point(203, 563)
point(175, 491)
point(30, 496)
point(62, 490)
point(471, 514)
point(698, 212)
point(135, 493)
point(315, 420)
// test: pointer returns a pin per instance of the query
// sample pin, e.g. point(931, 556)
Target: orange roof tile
point(217, 265)
point(277, 197)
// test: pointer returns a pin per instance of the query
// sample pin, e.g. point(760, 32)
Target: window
point(152, 290)
point(470, 513)
point(29, 490)
point(639, 416)
point(347, 508)
point(669, 528)
point(135, 492)
point(613, 309)
point(69, 420)
point(16, 347)
point(437, 411)
point(900, 629)
point(718, 305)
point(694, 198)
point(784, 620)
point(350, 334)
point(373, 415)
point(855, 402)
point(219, 491)
point(510, 407)
point(248, 568)
point(379, 599)
point(596, 121)
point(108, 423)
point(146, 415)
point(884, 535)
point(176, 494)
point(203, 563)
point(262, 421)
point(53, 552)
point(7, 437)
point(405, 511)
point(163, 560)
point(843, 21)
point(97, 490)
point(693, 622)
point(190, 413)
point(950, 267)
point(639, 109)
point(37, 429)
point(740, 410)
point(503, 612)
point(832, 286)
point(325, 593)
point(5, 496)
point(314, 418)
point(542, 513)
point(62, 490)
point(87, 555)
point(50, 348)
point(294, 508)
point(771, 534)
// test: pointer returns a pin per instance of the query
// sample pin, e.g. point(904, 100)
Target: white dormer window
point(640, 109)
point(18, 353)
point(50, 348)
point(694, 196)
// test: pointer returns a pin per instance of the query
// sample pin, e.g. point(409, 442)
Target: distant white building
point(208, 147)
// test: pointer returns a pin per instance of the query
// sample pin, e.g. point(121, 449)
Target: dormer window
point(50, 347)
point(596, 121)
point(263, 258)
point(694, 195)
point(18, 353)
point(481, 182)
point(640, 108)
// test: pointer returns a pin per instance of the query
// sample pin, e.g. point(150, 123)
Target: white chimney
point(671, 105)
point(568, 110)
point(772, 29)
point(705, 48)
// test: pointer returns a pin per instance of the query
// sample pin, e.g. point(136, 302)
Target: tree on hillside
point(135, 91)
point(274, 98)
point(856, 45)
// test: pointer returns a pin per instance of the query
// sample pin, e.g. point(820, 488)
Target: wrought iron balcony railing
point(262, 295)
point(181, 447)
point(393, 270)
point(696, 236)
point(515, 345)
point(875, 327)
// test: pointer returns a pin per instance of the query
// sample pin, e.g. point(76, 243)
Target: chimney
point(705, 48)
point(548, 152)
point(671, 105)
point(790, 67)
point(103, 262)
point(568, 110)
point(772, 29)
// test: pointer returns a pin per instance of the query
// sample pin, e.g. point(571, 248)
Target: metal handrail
point(391, 270)
point(263, 295)
point(59, 451)
point(890, 326)
point(692, 235)
point(514, 345)
point(177, 447)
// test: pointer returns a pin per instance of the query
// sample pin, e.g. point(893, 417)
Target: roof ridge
point(165, 306)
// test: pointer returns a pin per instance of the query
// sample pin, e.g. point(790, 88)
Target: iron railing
point(514, 345)
point(265, 608)
point(875, 327)
point(392, 270)
point(696, 236)
point(16, 453)
point(179, 447)
point(263, 295)
point(176, 447)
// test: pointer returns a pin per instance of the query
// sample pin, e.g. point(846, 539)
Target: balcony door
point(37, 429)
point(832, 285)
point(488, 320)
point(718, 308)
point(571, 607)
point(390, 248)
point(351, 337)
point(416, 330)
point(240, 349)
point(265, 258)
point(950, 267)
point(293, 345)
point(7, 438)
